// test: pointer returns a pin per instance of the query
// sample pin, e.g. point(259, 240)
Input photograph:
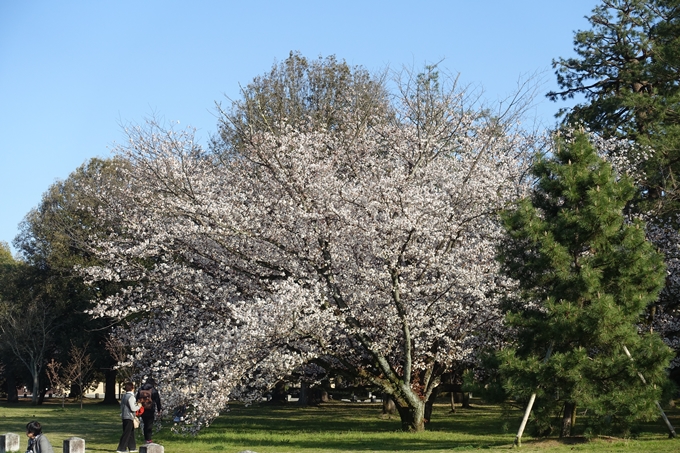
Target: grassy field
point(335, 427)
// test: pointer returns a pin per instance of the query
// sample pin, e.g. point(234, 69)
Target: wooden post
point(663, 414)
point(518, 439)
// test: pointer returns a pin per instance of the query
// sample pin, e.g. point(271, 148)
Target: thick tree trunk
point(12, 394)
point(412, 417)
point(568, 418)
point(41, 397)
point(110, 387)
point(388, 406)
point(75, 391)
point(466, 400)
point(279, 393)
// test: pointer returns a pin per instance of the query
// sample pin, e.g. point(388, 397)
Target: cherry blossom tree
point(366, 250)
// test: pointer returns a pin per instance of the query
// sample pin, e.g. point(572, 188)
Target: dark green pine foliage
point(626, 76)
point(585, 276)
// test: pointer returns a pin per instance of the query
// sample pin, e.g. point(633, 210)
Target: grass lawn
point(334, 427)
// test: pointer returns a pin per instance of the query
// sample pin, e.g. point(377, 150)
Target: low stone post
point(151, 448)
point(9, 442)
point(74, 445)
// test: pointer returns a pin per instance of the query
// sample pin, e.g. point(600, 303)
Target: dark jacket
point(155, 404)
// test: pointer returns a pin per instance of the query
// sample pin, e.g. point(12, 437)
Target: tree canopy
point(586, 276)
point(365, 249)
point(628, 74)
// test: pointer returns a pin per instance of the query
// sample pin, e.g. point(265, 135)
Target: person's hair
point(34, 428)
point(129, 386)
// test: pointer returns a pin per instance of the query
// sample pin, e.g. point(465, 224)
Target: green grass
point(335, 427)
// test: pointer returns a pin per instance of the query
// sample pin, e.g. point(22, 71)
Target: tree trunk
point(568, 418)
point(110, 387)
point(388, 406)
point(412, 418)
point(429, 404)
point(75, 391)
point(466, 400)
point(41, 396)
point(453, 402)
point(12, 394)
point(303, 399)
point(36, 384)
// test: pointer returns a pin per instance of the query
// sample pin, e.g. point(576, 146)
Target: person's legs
point(148, 427)
point(132, 443)
point(127, 436)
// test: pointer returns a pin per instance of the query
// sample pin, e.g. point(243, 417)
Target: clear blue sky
point(72, 72)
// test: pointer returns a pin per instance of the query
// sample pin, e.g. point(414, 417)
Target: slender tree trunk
point(36, 384)
point(303, 399)
point(568, 418)
point(453, 402)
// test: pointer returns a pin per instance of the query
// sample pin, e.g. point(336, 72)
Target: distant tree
point(585, 275)
point(27, 321)
point(79, 370)
point(300, 93)
point(52, 242)
point(628, 72)
point(59, 382)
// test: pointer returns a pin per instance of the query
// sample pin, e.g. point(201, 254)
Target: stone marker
point(151, 448)
point(74, 445)
point(9, 442)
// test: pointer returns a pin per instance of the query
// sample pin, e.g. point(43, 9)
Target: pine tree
point(626, 73)
point(585, 275)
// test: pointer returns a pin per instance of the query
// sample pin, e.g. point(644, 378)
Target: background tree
point(300, 94)
point(628, 72)
point(59, 382)
point(52, 241)
point(80, 370)
point(365, 249)
point(28, 322)
point(586, 275)
point(12, 299)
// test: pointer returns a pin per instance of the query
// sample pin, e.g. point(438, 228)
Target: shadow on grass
point(333, 427)
point(352, 427)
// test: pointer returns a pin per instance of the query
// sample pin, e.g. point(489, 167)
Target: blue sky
point(73, 72)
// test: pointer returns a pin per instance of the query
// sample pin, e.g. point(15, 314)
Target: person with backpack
point(150, 400)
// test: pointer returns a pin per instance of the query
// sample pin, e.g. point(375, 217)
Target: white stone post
point(9, 442)
point(74, 445)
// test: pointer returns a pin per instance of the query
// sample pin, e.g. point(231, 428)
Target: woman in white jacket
point(128, 407)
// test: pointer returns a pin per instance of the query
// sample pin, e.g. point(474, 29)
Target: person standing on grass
point(128, 407)
point(37, 442)
point(150, 399)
